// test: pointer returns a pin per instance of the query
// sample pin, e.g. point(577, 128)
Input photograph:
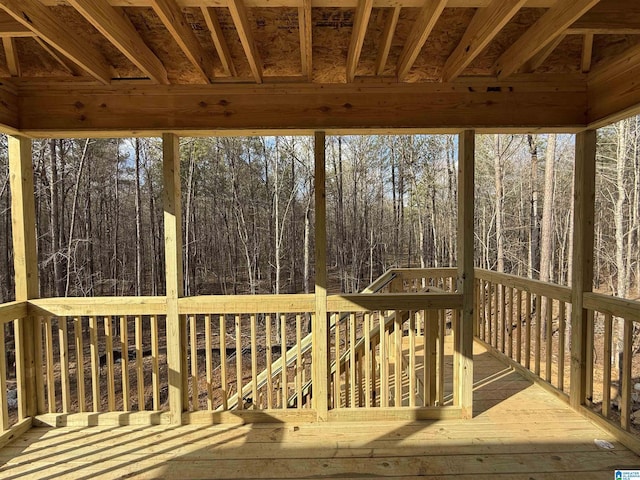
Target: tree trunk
point(534, 226)
point(499, 202)
point(546, 240)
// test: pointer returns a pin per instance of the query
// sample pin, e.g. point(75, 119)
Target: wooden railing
point(528, 322)
point(13, 417)
point(610, 383)
point(106, 358)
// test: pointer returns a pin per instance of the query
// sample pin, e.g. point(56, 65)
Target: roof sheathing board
point(332, 29)
point(36, 61)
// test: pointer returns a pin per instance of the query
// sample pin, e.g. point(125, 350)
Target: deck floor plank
point(519, 431)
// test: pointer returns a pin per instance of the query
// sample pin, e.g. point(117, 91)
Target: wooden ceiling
point(144, 66)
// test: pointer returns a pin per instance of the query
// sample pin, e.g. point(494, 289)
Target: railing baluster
point(337, 403)
point(589, 358)
point(155, 367)
point(606, 360)
point(518, 326)
point(562, 325)
point(77, 333)
point(124, 362)
point(64, 364)
point(269, 361)
point(398, 358)
point(95, 364)
point(254, 362)
point(108, 332)
point(510, 323)
point(527, 333)
point(352, 359)
point(4, 410)
point(299, 361)
point(496, 315)
point(193, 343)
point(238, 324)
point(538, 348)
point(51, 386)
point(440, 373)
point(283, 358)
point(503, 318)
point(384, 362)
point(412, 359)
point(367, 359)
point(549, 338)
point(39, 370)
point(139, 362)
point(208, 345)
point(627, 357)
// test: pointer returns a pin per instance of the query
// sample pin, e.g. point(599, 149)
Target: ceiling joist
point(113, 23)
point(587, 53)
point(363, 13)
point(211, 19)
point(10, 28)
point(390, 25)
point(241, 21)
point(38, 18)
point(306, 38)
point(427, 18)
point(547, 29)
point(485, 25)
point(173, 19)
point(11, 54)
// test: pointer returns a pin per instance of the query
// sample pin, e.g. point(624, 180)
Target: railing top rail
point(360, 302)
point(12, 310)
point(558, 292)
point(615, 306)
point(98, 306)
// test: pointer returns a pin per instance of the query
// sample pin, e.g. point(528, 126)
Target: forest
point(248, 211)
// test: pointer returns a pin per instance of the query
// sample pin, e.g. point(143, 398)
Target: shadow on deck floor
point(519, 431)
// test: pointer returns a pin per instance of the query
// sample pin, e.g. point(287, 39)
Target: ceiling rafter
point(390, 25)
point(39, 19)
point(113, 23)
point(11, 28)
point(427, 18)
point(211, 19)
point(360, 23)
point(485, 25)
point(316, 3)
point(171, 16)
point(306, 38)
point(11, 54)
point(241, 21)
point(587, 53)
point(552, 24)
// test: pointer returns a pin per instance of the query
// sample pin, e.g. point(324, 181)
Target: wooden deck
point(518, 431)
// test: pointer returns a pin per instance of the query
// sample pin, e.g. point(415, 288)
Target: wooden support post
point(464, 346)
point(584, 200)
point(26, 267)
point(173, 270)
point(319, 329)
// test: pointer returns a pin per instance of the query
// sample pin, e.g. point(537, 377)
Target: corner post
point(464, 340)
point(320, 334)
point(23, 222)
point(173, 271)
point(583, 232)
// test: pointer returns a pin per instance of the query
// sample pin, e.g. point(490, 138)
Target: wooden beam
point(539, 58)
point(40, 20)
point(319, 329)
point(11, 54)
point(173, 272)
point(427, 18)
point(360, 23)
point(485, 25)
point(114, 24)
point(25, 260)
point(614, 92)
point(583, 233)
point(587, 53)
point(11, 28)
point(211, 19)
point(171, 16)
point(316, 3)
point(386, 39)
point(552, 24)
point(92, 110)
point(306, 38)
point(609, 17)
point(241, 21)
point(464, 341)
